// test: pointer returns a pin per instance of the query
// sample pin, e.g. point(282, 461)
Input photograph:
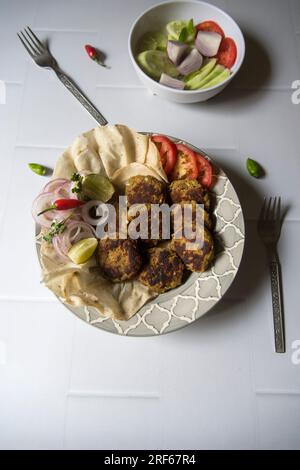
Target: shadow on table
point(253, 268)
point(254, 75)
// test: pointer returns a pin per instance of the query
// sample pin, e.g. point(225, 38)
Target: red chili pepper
point(91, 51)
point(93, 54)
point(63, 205)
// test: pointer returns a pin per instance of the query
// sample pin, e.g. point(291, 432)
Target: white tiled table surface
point(217, 383)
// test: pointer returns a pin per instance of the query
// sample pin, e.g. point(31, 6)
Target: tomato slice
point(227, 53)
point(205, 176)
point(186, 164)
point(167, 151)
point(210, 26)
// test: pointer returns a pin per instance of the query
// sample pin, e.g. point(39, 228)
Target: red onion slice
point(171, 82)
point(45, 200)
point(176, 51)
point(53, 185)
point(208, 43)
point(83, 225)
point(61, 187)
point(76, 231)
point(73, 232)
point(41, 202)
point(191, 63)
point(60, 250)
point(65, 191)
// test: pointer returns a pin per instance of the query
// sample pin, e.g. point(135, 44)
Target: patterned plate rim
point(83, 313)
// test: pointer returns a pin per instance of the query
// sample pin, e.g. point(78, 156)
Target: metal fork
point(269, 229)
point(42, 57)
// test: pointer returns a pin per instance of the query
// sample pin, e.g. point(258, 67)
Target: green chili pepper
point(253, 168)
point(37, 168)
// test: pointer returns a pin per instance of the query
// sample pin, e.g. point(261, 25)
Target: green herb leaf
point(191, 27)
point(183, 35)
point(77, 179)
point(57, 227)
point(188, 32)
point(37, 168)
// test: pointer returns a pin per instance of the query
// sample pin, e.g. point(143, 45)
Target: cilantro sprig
point(57, 227)
point(77, 180)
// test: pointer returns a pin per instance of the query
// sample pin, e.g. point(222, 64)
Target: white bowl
point(156, 18)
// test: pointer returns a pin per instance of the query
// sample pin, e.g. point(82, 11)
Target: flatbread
point(122, 175)
point(119, 153)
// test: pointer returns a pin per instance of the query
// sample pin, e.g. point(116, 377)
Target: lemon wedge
point(82, 250)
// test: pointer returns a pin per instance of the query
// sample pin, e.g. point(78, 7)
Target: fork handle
point(277, 306)
point(81, 98)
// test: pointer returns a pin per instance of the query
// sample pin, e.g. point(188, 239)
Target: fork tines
point(31, 42)
point(271, 209)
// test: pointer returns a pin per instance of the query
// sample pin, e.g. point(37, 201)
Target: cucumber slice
point(174, 29)
point(82, 250)
point(194, 79)
point(217, 80)
point(152, 41)
point(154, 63)
point(217, 70)
point(97, 187)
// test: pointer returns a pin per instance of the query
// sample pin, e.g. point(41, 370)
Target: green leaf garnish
point(57, 227)
point(188, 32)
point(190, 27)
point(183, 35)
point(77, 179)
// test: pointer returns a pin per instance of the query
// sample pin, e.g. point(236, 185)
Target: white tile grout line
point(3, 353)
point(10, 298)
point(277, 392)
point(291, 12)
point(225, 148)
point(17, 131)
point(142, 87)
point(263, 88)
point(64, 438)
point(127, 87)
point(63, 147)
point(127, 395)
point(12, 82)
point(236, 88)
point(252, 378)
point(208, 150)
point(62, 30)
point(38, 146)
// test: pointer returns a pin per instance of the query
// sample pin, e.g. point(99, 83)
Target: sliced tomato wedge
point(227, 53)
point(211, 26)
point(205, 175)
point(186, 164)
point(167, 151)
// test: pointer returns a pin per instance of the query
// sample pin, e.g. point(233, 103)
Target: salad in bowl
point(188, 56)
point(186, 51)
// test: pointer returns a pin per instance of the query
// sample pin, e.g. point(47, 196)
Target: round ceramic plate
point(201, 291)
